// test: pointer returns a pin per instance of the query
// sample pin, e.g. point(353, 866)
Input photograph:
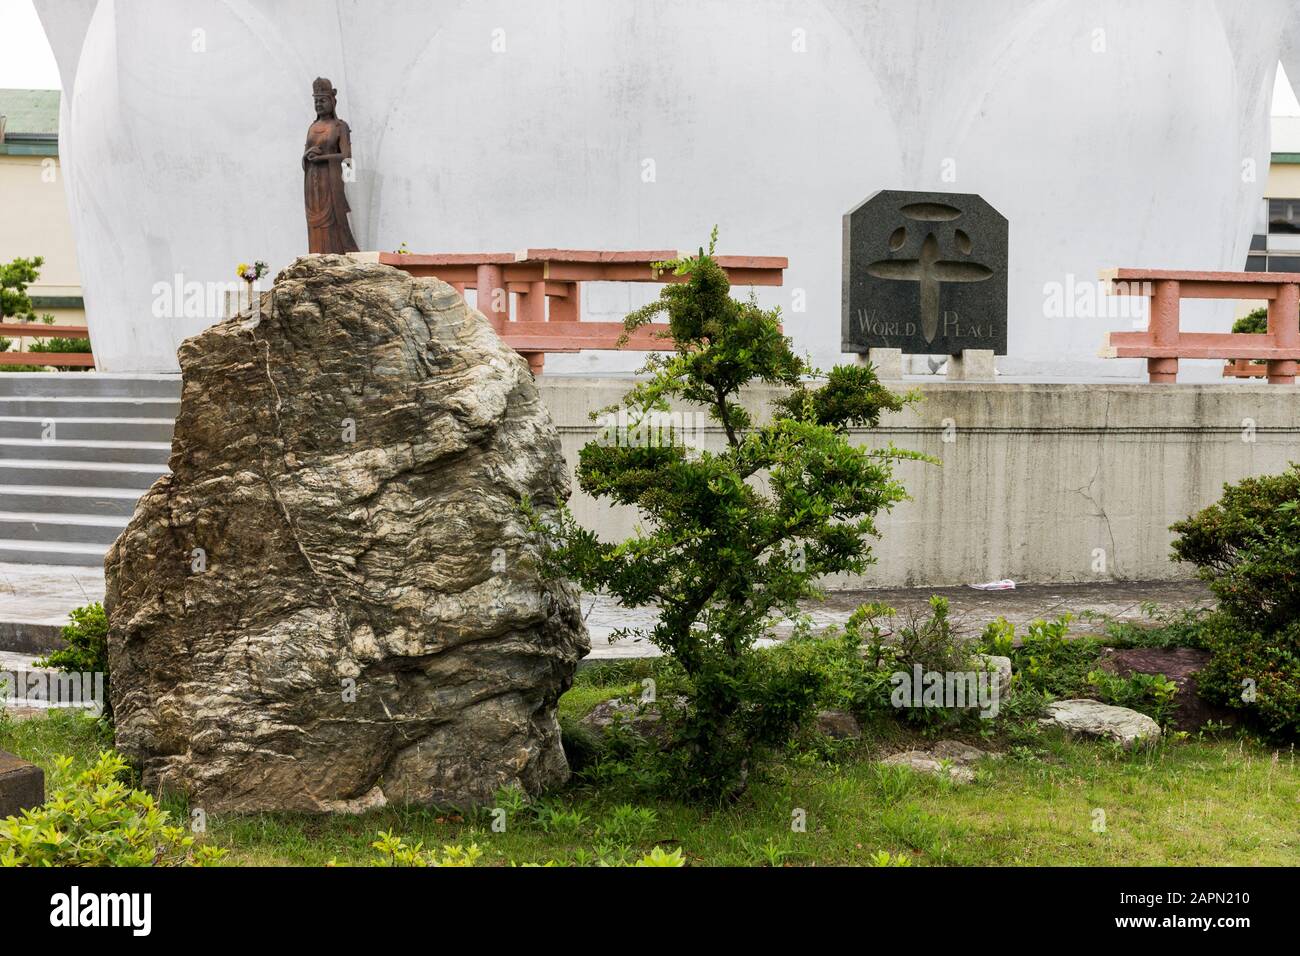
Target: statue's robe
point(327, 206)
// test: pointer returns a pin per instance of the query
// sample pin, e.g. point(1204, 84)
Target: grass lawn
point(1201, 802)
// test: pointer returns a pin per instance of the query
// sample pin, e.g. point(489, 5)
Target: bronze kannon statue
point(329, 145)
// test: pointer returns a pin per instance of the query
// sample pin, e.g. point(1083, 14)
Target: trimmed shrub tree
point(732, 538)
point(1246, 547)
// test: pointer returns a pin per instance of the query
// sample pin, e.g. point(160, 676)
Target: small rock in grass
point(925, 762)
point(644, 719)
point(960, 753)
point(838, 724)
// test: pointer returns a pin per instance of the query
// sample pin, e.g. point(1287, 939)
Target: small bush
point(1254, 673)
point(925, 640)
point(731, 538)
point(58, 345)
point(582, 747)
point(394, 851)
point(1049, 664)
point(1163, 629)
point(660, 857)
point(87, 648)
point(1255, 322)
point(99, 821)
point(1246, 548)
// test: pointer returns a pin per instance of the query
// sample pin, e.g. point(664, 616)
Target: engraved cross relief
point(929, 269)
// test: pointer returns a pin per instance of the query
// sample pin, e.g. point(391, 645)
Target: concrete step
point(90, 429)
point(89, 384)
point(78, 474)
point(122, 452)
point(63, 553)
point(73, 406)
point(43, 499)
point(53, 528)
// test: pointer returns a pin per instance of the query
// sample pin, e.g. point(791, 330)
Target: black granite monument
point(925, 273)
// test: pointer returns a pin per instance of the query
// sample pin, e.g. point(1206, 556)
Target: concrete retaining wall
point(1039, 482)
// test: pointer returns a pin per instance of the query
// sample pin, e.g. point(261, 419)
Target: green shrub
point(1255, 322)
point(660, 857)
point(846, 680)
point(15, 277)
point(1151, 694)
point(1049, 664)
point(394, 851)
point(1255, 673)
point(893, 644)
point(57, 344)
point(1246, 547)
point(582, 746)
point(1183, 627)
point(87, 648)
point(99, 821)
point(732, 539)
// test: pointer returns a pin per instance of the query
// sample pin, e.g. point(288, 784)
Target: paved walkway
point(969, 609)
point(35, 600)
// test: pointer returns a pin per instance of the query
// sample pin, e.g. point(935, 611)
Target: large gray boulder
point(1091, 718)
point(333, 601)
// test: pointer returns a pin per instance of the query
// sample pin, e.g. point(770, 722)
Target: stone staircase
point(77, 449)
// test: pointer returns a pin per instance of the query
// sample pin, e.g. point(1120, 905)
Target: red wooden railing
point(1243, 368)
point(34, 330)
point(546, 285)
point(1164, 343)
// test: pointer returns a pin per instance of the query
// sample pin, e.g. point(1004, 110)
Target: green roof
point(31, 122)
point(30, 111)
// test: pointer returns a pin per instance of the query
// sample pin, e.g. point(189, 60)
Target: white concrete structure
point(1108, 132)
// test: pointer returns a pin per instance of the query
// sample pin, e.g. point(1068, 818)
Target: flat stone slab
point(923, 761)
point(1092, 718)
point(1180, 665)
point(22, 785)
point(948, 757)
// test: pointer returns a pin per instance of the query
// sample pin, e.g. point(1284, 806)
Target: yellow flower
point(241, 269)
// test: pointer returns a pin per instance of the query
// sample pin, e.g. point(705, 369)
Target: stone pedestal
point(972, 365)
point(22, 785)
point(888, 363)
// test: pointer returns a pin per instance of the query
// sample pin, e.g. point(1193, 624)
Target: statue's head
point(325, 96)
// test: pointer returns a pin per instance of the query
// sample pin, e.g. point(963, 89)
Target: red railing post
point(1164, 330)
point(1284, 327)
point(532, 304)
point(493, 299)
point(567, 308)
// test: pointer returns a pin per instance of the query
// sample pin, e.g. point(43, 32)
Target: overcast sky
point(27, 63)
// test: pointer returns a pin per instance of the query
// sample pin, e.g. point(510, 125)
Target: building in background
point(34, 219)
point(1275, 246)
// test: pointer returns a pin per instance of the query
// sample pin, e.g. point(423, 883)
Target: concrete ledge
point(1050, 483)
point(30, 637)
point(22, 785)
